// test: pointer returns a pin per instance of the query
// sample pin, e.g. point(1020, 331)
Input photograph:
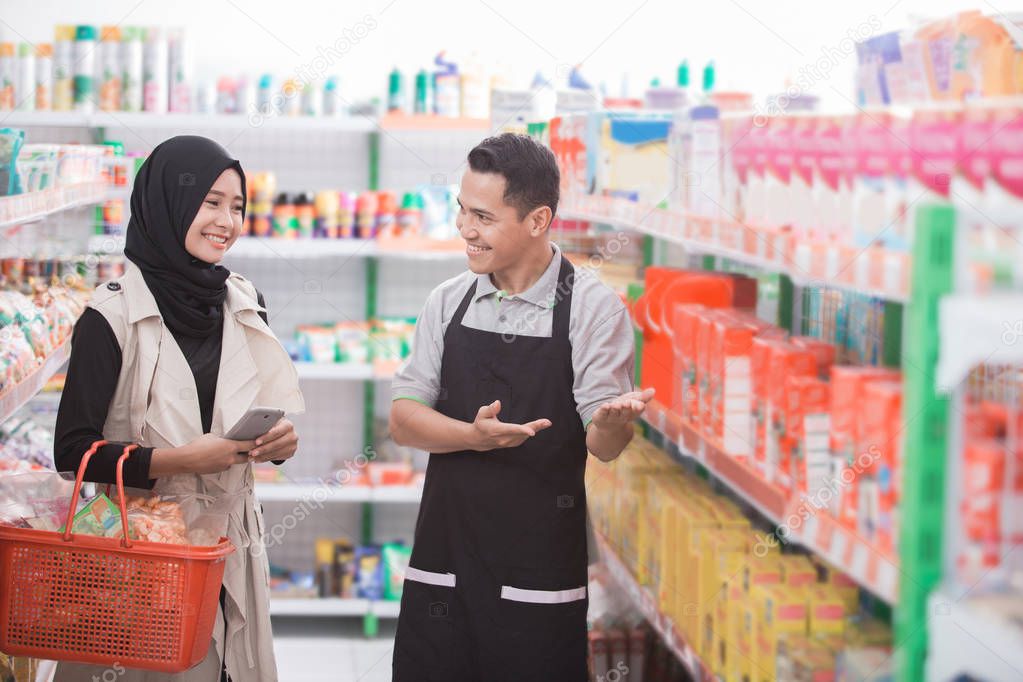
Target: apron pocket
point(425, 641)
point(543, 596)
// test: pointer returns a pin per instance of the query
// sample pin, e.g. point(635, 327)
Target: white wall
point(757, 44)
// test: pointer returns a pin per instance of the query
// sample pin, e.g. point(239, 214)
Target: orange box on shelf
point(847, 385)
point(785, 360)
point(823, 353)
point(731, 385)
point(983, 483)
point(684, 398)
point(807, 420)
point(704, 349)
point(760, 364)
point(664, 288)
point(881, 452)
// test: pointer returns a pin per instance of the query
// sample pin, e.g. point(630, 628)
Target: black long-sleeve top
point(92, 374)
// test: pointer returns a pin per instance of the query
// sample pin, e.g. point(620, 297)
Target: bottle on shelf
point(85, 69)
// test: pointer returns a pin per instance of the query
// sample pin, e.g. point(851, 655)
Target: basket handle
point(73, 507)
point(120, 492)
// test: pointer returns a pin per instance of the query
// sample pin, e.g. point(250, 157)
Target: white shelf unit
point(15, 396)
point(333, 607)
point(299, 492)
point(32, 207)
point(978, 637)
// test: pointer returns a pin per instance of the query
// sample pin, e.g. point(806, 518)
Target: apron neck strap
point(464, 305)
point(563, 300)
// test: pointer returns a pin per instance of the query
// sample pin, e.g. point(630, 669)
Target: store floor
point(333, 650)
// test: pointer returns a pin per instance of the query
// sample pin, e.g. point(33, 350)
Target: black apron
point(496, 588)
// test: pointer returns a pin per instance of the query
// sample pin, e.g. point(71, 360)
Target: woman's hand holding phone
point(277, 444)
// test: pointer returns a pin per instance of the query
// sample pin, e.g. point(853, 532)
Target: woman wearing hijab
point(170, 356)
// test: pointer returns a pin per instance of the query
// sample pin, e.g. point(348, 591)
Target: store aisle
point(332, 651)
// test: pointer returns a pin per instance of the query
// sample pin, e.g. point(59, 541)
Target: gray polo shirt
point(599, 329)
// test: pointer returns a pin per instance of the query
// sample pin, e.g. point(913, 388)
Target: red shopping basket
point(107, 600)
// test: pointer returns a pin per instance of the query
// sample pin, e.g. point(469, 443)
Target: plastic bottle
point(264, 96)
point(244, 96)
point(475, 92)
point(332, 97)
point(346, 215)
point(292, 92)
point(224, 100)
point(264, 185)
point(284, 221)
point(366, 215)
point(7, 76)
point(305, 216)
point(545, 99)
point(328, 208)
point(25, 86)
point(312, 98)
point(131, 69)
point(683, 74)
point(396, 91)
point(85, 68)
point(387, 214)
point(208, 98)
point(64, 68)
point(424, 93)
point(110, 69)
point(410, 216)
point(44, 76)
point(180, 89)
point(155, 72)
point(446, 88)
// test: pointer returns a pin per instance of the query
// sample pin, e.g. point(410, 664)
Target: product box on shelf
point(638, 165)
point(830, 193)
point(568, 142)
point(721, 557)
point(798, 570)
point(807, 426)
point(804, 158)
point(730, 384)
point(699, 178)
point(736, 158)
point(785, 360)
point(882, 444)
point(780, 611)
point(778, 201)
point(826, 610)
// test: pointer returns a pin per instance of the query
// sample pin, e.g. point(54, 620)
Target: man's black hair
point(529, 168)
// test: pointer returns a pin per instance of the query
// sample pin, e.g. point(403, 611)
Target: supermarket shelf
point(13, 398)
point(272, 248)
point(397, 121)
point(185, 122)
point(269, 247)
point(979, 637)
point(300, 492)
point(644, 601)
point(978, 329)
point(34, 206)
point(814, 529)
point(333, 607)
point(875, 271)
point(341, 371)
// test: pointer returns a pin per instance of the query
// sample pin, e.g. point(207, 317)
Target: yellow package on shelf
point(827, 610)
point(780, 611)
point(661, 557)
point(721, 557)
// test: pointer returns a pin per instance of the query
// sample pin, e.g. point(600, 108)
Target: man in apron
point(518, 367)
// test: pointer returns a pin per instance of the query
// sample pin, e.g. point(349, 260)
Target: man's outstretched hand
point(490, 433)
point(624, 409)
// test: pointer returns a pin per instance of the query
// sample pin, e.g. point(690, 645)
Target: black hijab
point(168, 192)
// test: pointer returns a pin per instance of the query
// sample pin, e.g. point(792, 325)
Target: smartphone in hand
point(254, 423)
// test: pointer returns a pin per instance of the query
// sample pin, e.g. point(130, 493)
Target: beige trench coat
point(155, 404)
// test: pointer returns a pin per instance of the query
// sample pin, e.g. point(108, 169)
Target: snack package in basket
point(175, 519)
point(99, 517)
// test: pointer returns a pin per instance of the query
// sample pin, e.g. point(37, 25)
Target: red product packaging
point(732, 384)
point(684, 395)
point(808, 421)
point(881, 458)
point(823, 352)
point(785, 360)
point(847, 384)
point(760, 356)
point(704, 342)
